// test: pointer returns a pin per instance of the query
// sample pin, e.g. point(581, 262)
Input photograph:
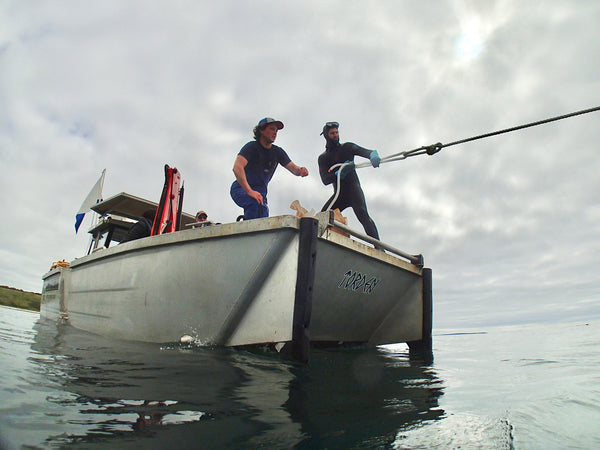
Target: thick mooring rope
point(434, 148)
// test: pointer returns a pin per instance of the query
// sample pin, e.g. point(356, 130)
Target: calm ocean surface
point(531, 386)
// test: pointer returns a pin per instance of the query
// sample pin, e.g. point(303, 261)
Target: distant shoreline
point(20, 309)
point(19, 290)
point(19, 299)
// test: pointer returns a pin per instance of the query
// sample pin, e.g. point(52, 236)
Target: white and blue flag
point(95, 196)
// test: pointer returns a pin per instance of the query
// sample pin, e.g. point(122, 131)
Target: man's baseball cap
point(268, 120)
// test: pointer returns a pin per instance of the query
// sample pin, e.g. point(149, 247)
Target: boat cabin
point(118, 214)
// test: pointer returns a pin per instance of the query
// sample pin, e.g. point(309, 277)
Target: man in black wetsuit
point(351, 194)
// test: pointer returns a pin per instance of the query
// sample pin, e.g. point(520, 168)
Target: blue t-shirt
point(262, 163)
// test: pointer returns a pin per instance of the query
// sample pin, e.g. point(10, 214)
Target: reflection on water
point(107, 392)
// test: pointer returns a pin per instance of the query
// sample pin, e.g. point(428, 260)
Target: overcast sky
point(510, 225)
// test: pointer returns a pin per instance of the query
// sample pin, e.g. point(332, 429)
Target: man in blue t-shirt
point(254, 167)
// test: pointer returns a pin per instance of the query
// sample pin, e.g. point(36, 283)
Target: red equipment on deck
point(168, 213)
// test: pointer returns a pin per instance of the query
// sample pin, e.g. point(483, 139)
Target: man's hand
point(346, 169)
point(256, 196)
point(297, 170)
point(375, 159)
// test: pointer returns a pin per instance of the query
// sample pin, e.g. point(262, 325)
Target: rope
point(339, 184)
point(434, 148)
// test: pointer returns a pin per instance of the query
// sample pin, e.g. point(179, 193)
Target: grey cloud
point(508, 224)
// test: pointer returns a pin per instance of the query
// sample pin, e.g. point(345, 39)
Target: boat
point(287, 281)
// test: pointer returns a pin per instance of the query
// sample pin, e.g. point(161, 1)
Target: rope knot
point(433, 148)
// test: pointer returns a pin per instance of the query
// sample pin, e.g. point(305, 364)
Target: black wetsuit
point(351, 194)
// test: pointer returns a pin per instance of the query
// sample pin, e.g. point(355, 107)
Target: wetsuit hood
point(332, 143)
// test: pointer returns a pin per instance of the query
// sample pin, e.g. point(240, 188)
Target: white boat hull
point(243, 283)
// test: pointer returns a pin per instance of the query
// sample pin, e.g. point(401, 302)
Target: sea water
point(531, 386)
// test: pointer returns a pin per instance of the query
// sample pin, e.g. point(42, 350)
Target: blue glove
point(346, 169)
point(375, 159)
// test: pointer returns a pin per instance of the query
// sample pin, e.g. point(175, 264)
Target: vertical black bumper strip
point(424, 346)
point(427, 309)
point(307, 255)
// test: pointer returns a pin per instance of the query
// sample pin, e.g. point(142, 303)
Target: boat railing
point(417, 260)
